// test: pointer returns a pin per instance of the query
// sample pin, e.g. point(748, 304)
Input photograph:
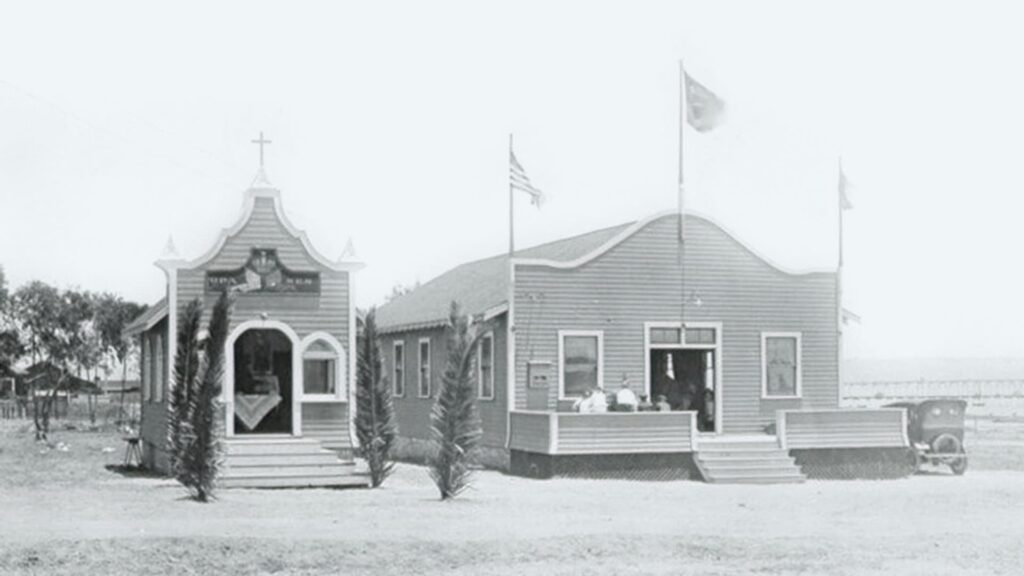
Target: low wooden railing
point(604, 433)
point(842, 428)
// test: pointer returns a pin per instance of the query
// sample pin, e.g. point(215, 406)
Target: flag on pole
point(520, 181)
point(704, 109)
point(844, 201)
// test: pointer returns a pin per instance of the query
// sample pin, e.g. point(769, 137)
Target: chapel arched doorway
point(263, 382)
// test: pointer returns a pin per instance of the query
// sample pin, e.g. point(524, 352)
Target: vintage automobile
point(935, 429)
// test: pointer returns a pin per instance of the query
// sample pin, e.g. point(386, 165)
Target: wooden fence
point(922, 389)
point(104, 408)
point(985, 398)
point(14, 409)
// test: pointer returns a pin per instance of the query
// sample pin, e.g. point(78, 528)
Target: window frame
point(419, 367)
point(562, 335)
point(488, 337)
point(147, 369)
point(159, 367)
point(397, 345)
point(798, 388)
point(337, 354)
point(319, 357)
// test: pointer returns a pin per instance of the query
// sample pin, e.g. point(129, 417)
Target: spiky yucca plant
point(375, 412)
point(454, 421)
point(186, 365)
point(200, 460)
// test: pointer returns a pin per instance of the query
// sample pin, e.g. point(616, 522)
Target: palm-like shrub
point(200, 456)
point(454, 421)
point(186, 366)
point(375, 412)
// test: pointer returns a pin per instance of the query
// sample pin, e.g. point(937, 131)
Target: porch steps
point(746, 460)
point(283, 462)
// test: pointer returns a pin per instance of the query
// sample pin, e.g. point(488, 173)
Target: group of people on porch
point(684, 396)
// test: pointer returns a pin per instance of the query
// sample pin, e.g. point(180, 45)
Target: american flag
point(520, 181)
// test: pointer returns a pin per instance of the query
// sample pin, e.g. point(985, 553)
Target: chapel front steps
point(746, 460)
point(286, 462)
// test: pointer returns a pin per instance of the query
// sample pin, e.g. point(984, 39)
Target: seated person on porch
point(625, 399)
point(644, 405)
point(661, 404)
point(593, 402)
point(662, 377)
point(681, 395)
point(707, 415)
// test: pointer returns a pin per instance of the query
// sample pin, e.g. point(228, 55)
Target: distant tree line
point(76, 332)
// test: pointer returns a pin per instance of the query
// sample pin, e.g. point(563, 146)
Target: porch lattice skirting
point(645, 467)
point(419, 451)
point(856, 463)
point(286, 463)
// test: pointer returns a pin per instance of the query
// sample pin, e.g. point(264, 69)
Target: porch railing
point(605, 433)
point(842, 428)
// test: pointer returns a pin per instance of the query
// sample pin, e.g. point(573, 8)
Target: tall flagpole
point(841, 203)
point(682, 129)
point(511, 378)
point(842, 207)
point(682, 194)
point(511, 207)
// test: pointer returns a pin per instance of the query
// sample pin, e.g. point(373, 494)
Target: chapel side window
point(319, 369)
point(780, 370)
point(160, 375)
point(485, 368)
point(147, 369)
point(399, 369)
point(580, 363)
point(424, 368)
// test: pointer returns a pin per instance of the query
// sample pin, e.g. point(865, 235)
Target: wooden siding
point(879, 428)
point(327, 312)
point(153, 416)
point(153, 424)
point(304, 313)
point(153, 432)
point(641, 280)
point(328, 423)
point(608, 433)
point(532, 431)
point(413, 412)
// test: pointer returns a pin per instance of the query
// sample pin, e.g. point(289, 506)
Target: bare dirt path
point(87, 520)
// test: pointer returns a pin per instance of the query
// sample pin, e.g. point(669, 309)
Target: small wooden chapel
point(288, 384)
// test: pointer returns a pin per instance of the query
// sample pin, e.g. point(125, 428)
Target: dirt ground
point(61, 512)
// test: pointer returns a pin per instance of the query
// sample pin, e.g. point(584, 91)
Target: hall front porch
point(668, 445)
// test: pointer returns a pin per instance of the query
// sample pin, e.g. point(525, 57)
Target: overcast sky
point(122, 124)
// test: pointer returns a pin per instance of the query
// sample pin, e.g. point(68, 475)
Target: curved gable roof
point(631, 229)
point(483, 285)
point(260, 190)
